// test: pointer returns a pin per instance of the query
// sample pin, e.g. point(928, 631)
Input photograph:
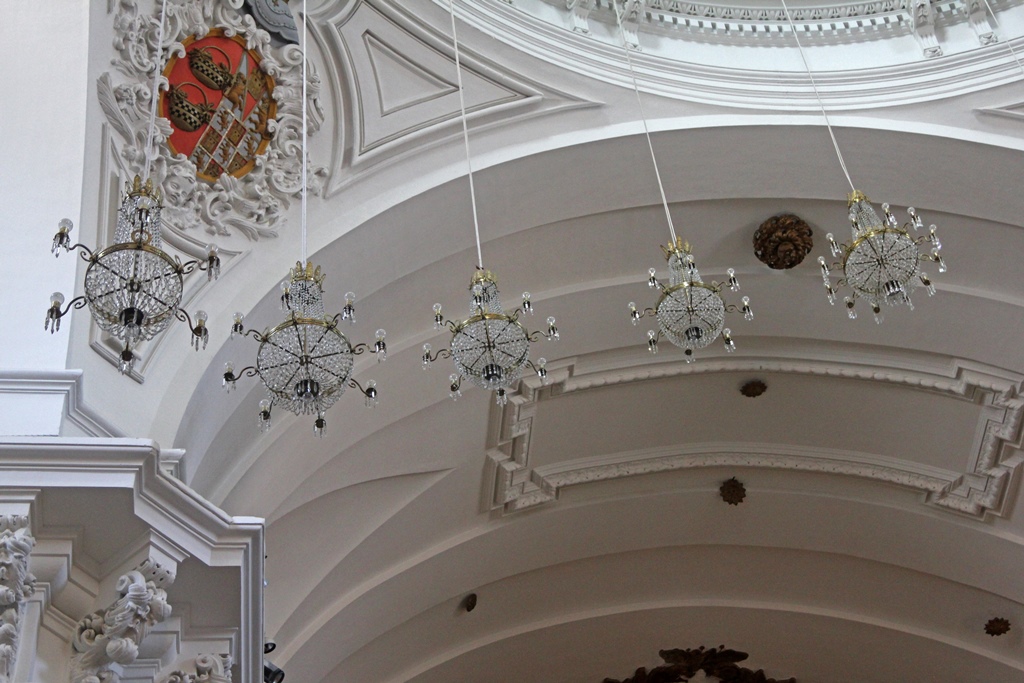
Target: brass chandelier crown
point(133, 288)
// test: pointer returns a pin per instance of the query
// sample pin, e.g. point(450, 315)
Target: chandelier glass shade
point(882, 261)
point(690, 312)
point(133, 288)
point(490, 348)
point(306, 361)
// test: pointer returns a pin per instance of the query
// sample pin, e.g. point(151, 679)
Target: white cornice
point(183, 519)
point(754, 85)
point(67, 383)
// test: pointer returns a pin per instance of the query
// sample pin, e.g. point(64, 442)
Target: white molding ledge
point(980, 492)
point(66, 383)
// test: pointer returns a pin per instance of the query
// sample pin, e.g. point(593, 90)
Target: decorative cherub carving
point(112, 636)
point(17, 584)
point(209, 669)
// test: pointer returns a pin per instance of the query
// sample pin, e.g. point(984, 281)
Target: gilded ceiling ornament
point(732, 491)
point(782, 241)
point(997, 626)
point(682, 665)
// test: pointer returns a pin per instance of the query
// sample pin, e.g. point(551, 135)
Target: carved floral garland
point(253, 205)
point(16, 586)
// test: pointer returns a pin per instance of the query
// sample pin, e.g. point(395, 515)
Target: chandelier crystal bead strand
point(489, 347)
point(306, 361)
point(882, 261)
point(690, 312)
point(133, 288)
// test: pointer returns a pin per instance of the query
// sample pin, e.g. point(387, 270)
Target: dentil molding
point(978, 492)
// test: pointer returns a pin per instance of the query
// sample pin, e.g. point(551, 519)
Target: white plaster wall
point(44, 49)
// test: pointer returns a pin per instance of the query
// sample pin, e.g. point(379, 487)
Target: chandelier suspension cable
point(817, 95)
point(465, 137)
point(1013, 52)
point(154, 96)
point(305, 161)
point(643, 118)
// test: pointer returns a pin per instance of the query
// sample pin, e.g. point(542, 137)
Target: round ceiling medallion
point(782, 241)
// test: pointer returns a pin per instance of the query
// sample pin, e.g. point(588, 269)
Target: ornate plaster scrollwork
point(112, 636)
point(209, 669)
point(253, 205)
point(923, 16)
point(16, 586)
point(631, 13)
point(580, 11)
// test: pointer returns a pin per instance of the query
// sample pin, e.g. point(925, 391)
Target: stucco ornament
point(208, 669)
point(112, 636)
point(16, 586)
point(253, 205)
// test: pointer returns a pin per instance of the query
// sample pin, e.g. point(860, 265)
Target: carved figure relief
point(16, 586)
point(209, 669)
point(682, 665)
point(228, 155)
point(112, 636)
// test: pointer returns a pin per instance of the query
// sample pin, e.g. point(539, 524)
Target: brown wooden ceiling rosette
point(782, 241)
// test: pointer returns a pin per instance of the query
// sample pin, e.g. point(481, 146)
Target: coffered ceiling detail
point(399, 87)
point(994, 452)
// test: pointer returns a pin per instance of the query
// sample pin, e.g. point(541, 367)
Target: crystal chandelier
point(306, 361)
point(133, 288)
point(882, 261)
point(690, 312)
point(490, 348)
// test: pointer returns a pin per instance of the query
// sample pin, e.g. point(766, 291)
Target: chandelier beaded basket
point(690, 312)
point(882, 261)
point(306, 361)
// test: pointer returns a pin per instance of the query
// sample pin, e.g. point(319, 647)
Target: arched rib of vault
point(580, 180)
point(790, 310)
point(649, 585)
point(877, 523)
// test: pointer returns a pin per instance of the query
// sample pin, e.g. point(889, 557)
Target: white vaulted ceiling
point(882, 525)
